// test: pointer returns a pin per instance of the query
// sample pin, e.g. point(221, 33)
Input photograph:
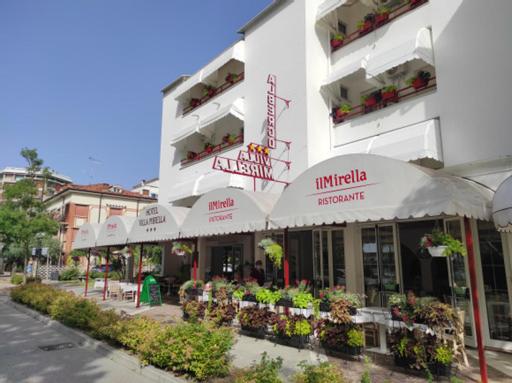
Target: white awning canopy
point(346, 70)
point(184, 133)
point(114, 231)
point(157, 223)
point(86, 236)
point(236, 109)
point(228, 210)
point(502, 206)
point(216, 180)
point(327, 7)
point(236, 52)
point(386, 58)
point(366, 187)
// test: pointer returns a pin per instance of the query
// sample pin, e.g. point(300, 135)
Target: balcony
point(383, 98)
point(228, 142)
point(341, 18)
point(209, 92)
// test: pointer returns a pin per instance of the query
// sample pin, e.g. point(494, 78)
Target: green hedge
point(17, 279)
point(198, 350)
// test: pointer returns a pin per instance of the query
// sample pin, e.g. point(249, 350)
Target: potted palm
point(337, 40)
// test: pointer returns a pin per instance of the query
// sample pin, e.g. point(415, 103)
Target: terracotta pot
point(370, 101)
point(365, 28)
point(390, 96)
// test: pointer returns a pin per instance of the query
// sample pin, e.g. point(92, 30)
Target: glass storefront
point(495, 282)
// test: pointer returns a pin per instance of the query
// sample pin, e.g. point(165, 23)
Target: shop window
point(497, 299)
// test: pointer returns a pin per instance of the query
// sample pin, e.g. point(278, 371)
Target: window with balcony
point(351, 20)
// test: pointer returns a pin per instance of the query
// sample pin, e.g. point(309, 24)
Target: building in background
point(75, 205)
point(414, 84)
point(48, 187)
point(148, 188)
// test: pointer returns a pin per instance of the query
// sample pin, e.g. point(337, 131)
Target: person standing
point(258, 273)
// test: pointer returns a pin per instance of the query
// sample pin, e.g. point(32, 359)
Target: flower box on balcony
point(415, 3)
point(382, 17)
point(191, 155)
point(208, 148)
point(337, 40)
point(194, 102)
point(389, 94)
point(341, 112)
point(364, 27)
point(209, 91)
point(231, 78)
point(420, 80)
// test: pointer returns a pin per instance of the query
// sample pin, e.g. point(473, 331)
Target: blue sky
point(82, 78)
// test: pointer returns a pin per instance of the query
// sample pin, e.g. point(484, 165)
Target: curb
point(83, 340)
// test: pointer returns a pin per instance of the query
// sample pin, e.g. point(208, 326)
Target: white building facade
point(417, 82)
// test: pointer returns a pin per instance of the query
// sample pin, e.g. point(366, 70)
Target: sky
point(82, 79)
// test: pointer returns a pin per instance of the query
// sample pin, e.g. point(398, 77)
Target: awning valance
point(216, 180)
point(327, 7)
point(181, 134)
point(346, 70)
point(114, 231)
point(236, 109)
point(157, 223)
point(86, 236)
point(236, 52)
point(228, 210)
point(366, 187)
point(502, 206)
point(386, 58)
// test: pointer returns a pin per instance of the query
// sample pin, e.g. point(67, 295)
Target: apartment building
point(76, 205)
point(412, 93)
point(49, 186)
point(147, 188)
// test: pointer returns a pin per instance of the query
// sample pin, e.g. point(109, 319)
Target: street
point(22, 358)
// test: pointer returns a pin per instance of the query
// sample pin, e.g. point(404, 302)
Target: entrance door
point(329, 258)
point(379, 264)
point(227, 261)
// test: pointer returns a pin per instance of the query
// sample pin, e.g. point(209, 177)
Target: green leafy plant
point(323, 372)
point(267, 296)
point(389, 88)
point(69, 274)
point(355, 337)
point(239, 293)
point(302, 328)
point(181, 248)
point(265, 371)
point(17, 279)
point(443, 355)
point(345, 108)
point(396, 300)
point(338, 37)
point(439, 238)
point(273, 250)
point(73, 311)
point(366, 377)
point(302, 300)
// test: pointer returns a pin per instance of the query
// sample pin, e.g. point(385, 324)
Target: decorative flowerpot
point(381, 19)
point(437, 251)
point(340, 115)
point(365, 28)
point(335, 44)
point(390, 96)
point(419, 83)
point(370, 102)
point(254, 332)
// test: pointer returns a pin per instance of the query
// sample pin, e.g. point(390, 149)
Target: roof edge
point(263, 14)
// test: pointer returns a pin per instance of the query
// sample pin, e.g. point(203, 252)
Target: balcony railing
point(197, 102)
point(195, 157)
point(379, 21)
point(386, 99)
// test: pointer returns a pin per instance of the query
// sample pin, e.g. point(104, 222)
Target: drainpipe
point(99, 211)
point(286, 266)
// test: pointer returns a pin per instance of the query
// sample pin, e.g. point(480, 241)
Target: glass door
point(328, 258)
point(379, 264)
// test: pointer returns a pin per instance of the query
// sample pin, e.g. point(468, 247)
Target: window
point(115, 211)
point(343, 93)
point(342, 27)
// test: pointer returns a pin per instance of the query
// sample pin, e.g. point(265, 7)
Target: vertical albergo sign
point(271, 110)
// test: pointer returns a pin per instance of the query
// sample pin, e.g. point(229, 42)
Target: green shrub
point(37, 296)
point(193, 349)
point(33, 280)
point(265, 371)
point(73, 311)
point(324, 372)
point(136, 333)
point(105, 325)
point(96, 274)
point(17, 279)
point(69, 274)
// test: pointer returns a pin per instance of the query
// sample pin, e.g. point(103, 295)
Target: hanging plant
point(273, 250)
point(442, 244)
point(181, 249)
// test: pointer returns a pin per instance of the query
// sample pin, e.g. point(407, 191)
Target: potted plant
point(389, 94)
point(366, 25)
point(337, 40)
point(229, 139)
point(180, 249)
point(193, 310)
point(396, 302)
point(293, 330)
point(382, 16)
point(342, 111)
point(371, 100)
point(301, 331)
point(208, 147)
point(194, 102)
point(442, 361)
point(191, 289)
point(222, 314)
point(254, 321)
point(441, 244)
point(273, 250)
point(251, 289)
point(303, 301)
point(415, 3)
point(238, 293)
point(209, 91)
point(191, 155)
point(355, 341)
point(420, 80)
point(268, 297)
point(232, 77)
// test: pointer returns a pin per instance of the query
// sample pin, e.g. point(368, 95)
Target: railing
point(379, 22)
point(398, 96)
point(212, 151)
point(213, 93)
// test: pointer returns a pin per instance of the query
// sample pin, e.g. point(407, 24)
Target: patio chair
point(129, 293)
point(114, 290)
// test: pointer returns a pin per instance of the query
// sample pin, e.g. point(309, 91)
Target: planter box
point(335, 44)
point(367, 27)
point(419, 83)
point(438, 369)
point(343, 349)
point(381, 19)
point(390, 96)
point(253, 332)
point(437, 251)
point(296, 341)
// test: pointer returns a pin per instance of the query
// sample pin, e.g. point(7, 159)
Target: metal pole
point(286, 264)
point(87, 272)
point(194, 263)
point(140, 275)
point(106, 275)
point(474, 299)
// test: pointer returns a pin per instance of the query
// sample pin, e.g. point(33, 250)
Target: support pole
point(140, 275)
point(474, 299)
point(106, 275)
point(87, 272)
point(286, 263)
point(194, 263)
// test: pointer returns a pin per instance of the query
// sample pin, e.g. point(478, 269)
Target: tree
point(22, 215)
